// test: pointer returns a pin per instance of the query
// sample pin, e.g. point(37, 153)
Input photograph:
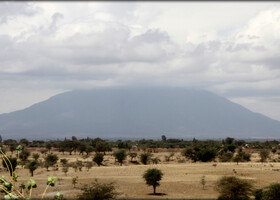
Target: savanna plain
point(182, 178)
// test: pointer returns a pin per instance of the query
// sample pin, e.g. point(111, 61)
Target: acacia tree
point(152, 177)
point(98, 158)
point(50, 160)
point(132, 155)
point(32, 166)
point(120, 155)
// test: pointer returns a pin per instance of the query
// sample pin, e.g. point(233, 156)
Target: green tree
point(24, 142)
point(89, 149)
point(152, 177)
point(48, 146)
point(120, 155)
point(24, 155)
point(102, 146)
point(98, 158)
point(32, 166)
point(233, 188)
point(50, 160)
point(132, 155)
point(98, 191)
point(12, 148)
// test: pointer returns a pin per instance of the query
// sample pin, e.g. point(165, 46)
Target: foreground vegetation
point(54, 156)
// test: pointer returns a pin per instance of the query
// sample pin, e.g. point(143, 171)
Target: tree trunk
point(154, 189)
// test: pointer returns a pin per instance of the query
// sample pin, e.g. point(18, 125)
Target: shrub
point(65, 170)
point(203, 182)
point(74, 181)
point(272, 192)
point(152, 177)
point(145, 157)
point(264, 154)
point(64, 161)
point(207, 154)
point(98, 191)
point(226, 157)
point(35, 156)
point(233, 188)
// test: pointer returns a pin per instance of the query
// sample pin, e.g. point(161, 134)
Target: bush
point(272, 192)
point(98, 191)
point(233, 188)
point(203, 154)
point(152, 177)
point(226, 157)
point(264, 154)
point(64, 161)
point(207, 154)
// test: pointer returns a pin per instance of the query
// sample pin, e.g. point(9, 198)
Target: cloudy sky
point(230, 48)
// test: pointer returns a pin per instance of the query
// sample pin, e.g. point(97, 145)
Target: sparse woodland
point(119, 169)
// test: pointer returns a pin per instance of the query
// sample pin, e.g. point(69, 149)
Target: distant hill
point(137, 113)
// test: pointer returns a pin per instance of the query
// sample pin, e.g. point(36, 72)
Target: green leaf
point(51, 181)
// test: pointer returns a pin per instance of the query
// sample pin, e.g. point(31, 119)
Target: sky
point(229, 48)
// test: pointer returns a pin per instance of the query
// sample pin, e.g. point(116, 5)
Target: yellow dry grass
point(180, 180)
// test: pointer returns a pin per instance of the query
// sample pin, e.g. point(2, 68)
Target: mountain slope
point(138, 112)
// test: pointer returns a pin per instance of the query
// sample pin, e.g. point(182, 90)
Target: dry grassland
point(180, 180)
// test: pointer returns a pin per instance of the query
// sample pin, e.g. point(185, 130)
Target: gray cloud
point(9, 10)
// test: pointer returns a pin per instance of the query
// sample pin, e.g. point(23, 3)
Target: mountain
point(137, 113)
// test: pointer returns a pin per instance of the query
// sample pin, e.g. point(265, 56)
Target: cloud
point(60, 47)
point(11, 10)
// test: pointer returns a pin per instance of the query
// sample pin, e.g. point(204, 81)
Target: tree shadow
point(157, 194)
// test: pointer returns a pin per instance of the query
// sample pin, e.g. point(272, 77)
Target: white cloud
point(60, 46)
